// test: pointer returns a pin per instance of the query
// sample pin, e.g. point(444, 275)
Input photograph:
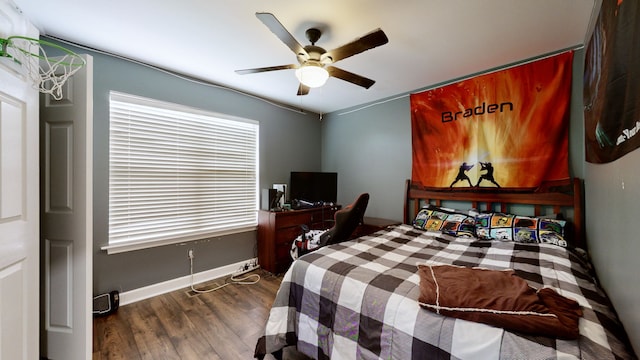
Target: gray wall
point(612, 209)
point(280, 131)
point(371, 150)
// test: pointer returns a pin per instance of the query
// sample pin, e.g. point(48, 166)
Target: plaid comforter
point(358, 300)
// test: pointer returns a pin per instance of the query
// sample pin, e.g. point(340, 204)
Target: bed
point(368, 298)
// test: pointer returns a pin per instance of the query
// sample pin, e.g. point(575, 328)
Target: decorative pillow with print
point(447, 221)
point(525, 229)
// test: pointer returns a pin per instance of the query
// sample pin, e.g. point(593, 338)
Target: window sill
point(141, 245)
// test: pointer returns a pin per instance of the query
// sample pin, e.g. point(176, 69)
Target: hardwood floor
point(223, 324)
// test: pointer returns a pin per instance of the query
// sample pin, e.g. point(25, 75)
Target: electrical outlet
point(247, 267)
point(190, 254)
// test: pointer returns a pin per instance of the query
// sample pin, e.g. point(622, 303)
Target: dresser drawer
point(293, 219)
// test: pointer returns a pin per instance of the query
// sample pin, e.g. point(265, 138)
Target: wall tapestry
point(506, 129)
point(612, 83)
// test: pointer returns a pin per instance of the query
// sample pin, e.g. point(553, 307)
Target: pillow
point(525, 229)
point(448, 221)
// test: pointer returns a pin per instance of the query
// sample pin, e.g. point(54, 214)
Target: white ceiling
point(430, 41)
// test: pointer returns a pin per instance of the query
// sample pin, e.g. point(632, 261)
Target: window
point(178, 174)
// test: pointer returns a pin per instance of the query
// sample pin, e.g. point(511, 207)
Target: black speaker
point(106, 304)
point(267, 198)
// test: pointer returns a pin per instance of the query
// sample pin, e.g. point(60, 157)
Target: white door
point(19, 221)
point(66, 143)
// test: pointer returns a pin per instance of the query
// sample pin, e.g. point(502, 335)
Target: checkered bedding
point(358, 300)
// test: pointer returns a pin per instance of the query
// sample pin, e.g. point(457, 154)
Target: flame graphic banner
point(507, 129)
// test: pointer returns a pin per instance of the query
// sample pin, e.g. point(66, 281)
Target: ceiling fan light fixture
point(312, 76)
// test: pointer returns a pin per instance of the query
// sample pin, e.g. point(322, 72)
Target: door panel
point(59, 167)
point(13, 312)
point(59, 258)
point(11, 161)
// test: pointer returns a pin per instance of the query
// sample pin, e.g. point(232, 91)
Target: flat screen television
point(313, 187)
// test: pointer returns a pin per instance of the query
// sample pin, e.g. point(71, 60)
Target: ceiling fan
point(314, 66)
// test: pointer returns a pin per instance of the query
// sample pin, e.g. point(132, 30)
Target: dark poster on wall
point(506, 129)
point(612, 83)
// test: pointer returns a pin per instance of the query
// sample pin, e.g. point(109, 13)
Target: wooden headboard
point(557, 195)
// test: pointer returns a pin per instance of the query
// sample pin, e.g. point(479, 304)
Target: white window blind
point(178, 173)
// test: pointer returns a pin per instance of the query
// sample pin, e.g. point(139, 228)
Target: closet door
point(66, 133)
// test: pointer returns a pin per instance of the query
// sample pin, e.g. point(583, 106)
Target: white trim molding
point(183, 282)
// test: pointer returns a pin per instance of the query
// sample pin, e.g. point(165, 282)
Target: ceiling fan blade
point(303, 89)
point(263, 69)
point(350, 77)
point(281, 32)
point(369, 41)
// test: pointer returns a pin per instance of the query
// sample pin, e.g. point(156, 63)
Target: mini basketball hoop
point(48, 75)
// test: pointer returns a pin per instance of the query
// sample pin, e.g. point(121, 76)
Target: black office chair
point(346, 221)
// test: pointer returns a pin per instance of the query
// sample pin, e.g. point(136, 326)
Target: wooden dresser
point(277, 230)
